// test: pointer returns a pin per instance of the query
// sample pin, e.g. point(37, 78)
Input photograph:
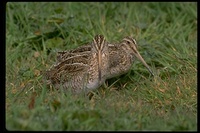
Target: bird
point(82, 69)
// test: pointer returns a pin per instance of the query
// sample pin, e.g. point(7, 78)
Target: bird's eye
point(127, 42)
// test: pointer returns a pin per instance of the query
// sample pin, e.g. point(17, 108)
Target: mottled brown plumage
point(81, 69)
point(87, 67)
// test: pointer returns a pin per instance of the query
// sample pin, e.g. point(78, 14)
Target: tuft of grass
point(166, 33)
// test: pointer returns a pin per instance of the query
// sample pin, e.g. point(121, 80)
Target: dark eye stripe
point(128, 39)
point(131, 40)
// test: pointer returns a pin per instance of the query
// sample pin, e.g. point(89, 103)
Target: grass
point(167, 39)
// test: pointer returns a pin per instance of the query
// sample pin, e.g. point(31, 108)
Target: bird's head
point(130, 46)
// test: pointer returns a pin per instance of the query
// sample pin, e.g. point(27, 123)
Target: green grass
point(167, 39)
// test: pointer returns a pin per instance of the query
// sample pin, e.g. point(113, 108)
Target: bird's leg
point(105, 85)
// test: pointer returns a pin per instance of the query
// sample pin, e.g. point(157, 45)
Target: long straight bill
point(145, 64)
